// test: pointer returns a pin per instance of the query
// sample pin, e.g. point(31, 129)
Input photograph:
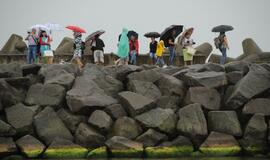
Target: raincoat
point(160, 48)
point(78, 45)
point(123, 46)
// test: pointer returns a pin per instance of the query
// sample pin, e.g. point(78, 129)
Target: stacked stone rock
point(55, 111)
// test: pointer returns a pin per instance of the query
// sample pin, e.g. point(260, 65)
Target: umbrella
point(152, 35)
point(133, 33)
point(40, 27)
point(91, 36)
point(76, 29)
point(222, 28)
point(54, 26)
point(168, 32)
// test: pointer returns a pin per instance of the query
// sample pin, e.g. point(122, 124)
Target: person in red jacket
point(134, 49)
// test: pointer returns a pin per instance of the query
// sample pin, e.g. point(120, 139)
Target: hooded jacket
point(160, 48)
point(136, 45)
point(123, 46)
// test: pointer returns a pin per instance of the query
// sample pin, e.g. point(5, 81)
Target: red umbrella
point(76, 29)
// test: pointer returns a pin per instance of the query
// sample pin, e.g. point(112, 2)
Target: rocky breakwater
point(55, 111)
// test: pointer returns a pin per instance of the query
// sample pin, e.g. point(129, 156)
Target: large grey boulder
point(62, 78)
point(49, 126)
point(205, 49)
point(119, 145)
point(126, 127)
point(49, 71)
point(121, 72)
point(65, 47)
point(151, 138)
point(250, 47)
point(46, 95)
point(63, 148)
point(161, 119)
point(88, 137)
point(254, 139)
point(10, 70)
point(220, 144)
point(100, 120)
point(146, 75)
point(21, 117)
point(239, 66)
point(86, 95)
point(224, 122)
point(70, 120)
point(192, 121)
point(255, 82)
point(28, 69)
point(208, 79)
point(209, 98)
point(234, 77)
point(258, 105)
point(256, 128)
point(170, 85)
point(9, 95)
point(30, 146)
point(7, 146)
point(15, 44)
point(178, 142)
point(169, 102)
point(6, 130)
point(147, 89)
point(135, 103)
point(115, 111)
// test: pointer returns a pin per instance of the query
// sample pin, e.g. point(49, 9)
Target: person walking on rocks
point(97, 48)
point(134, 49)
point(123, 48)
point(187, 43)
point(159, 54)
point(45, 46)
point(77, 54)
point(153, 49)
point(223, 46)
point(32, 39)
point(171, 47)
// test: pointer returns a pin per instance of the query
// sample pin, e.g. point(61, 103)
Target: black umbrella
point(167, 33)
point(222, 28)
point(152, 35)
point(91, 36)
point(133, 33)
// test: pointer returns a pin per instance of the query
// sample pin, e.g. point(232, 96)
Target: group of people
point(39, 47)
point(128, 48)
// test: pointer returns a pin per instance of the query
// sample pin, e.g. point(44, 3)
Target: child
point(159, 54)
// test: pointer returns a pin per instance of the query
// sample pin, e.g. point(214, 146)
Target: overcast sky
point(250, 18)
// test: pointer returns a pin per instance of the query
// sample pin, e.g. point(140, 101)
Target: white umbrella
point(54, 27)
point(40, 27)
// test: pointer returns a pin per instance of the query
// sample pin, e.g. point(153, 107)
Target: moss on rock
point(100, 152)
point(66, 153)
point(127, 153)
point(168, 152)
point(221, 151)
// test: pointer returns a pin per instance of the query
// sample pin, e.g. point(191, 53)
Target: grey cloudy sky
point(250, 18)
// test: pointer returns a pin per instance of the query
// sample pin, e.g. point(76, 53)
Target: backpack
point(218, 41)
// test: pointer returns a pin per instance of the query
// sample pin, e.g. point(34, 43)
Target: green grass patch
point(220, 151)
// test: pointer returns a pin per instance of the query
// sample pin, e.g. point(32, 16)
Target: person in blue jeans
point(32, 39)
point(223, 46)
point(134, 50)
point(171, 47)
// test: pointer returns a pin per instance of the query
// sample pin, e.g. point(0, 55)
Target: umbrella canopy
point(222, 28)
point(76, 29)
point(133, 33)
point(40, 27)
point(152, 35)
point(167, 33)
point(54, 26)
point(91, 36)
